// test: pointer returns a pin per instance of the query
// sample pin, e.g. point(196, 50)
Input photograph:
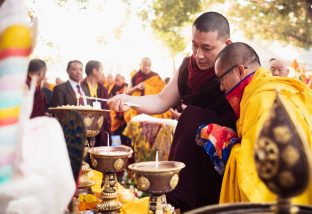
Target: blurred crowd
point(97, 84)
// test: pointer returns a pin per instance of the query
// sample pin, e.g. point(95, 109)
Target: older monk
point(251, 89)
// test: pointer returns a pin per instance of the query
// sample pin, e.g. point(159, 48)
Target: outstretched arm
point(149, 104)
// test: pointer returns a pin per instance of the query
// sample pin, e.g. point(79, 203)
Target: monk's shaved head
point(237, 53)
point(213, 21)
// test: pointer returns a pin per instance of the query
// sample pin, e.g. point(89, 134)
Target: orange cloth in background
point(153, 85)
point(117, 118)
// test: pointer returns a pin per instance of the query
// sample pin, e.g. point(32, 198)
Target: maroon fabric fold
point(199, 183)
point(140, 77)
point(197, 77)
point(40, 102)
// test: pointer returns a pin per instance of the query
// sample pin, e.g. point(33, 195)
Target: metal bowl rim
point(125, 149)
point(179, 166)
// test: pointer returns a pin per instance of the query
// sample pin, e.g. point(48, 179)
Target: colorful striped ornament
point(15, 46)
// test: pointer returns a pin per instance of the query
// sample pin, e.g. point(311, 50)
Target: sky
point(90, 34)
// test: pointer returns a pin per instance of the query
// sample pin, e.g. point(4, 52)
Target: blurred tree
point(287, 21)
point(63, 2)
point(284, 20)
point(168, 18)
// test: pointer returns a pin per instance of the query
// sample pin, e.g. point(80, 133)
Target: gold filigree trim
point(100, 122)
point(290, 156)
point(85, 167)
point(92, 133)
point(94, 162)
point(118, 164)
point(267, 158)
point(88, 121)
point(282, 134)
point(143, 183)
point(174, 181)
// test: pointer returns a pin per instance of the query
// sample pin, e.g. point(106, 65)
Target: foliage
point(167, 19)
point(61, 3)
point(284, 20)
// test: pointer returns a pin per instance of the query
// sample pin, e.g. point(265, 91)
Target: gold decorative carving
point(88, 121)
point(290, 155)
point(92, 133)
point(286, 179)
point(100, 122)
point(282, 134)
point(94, 162)
point(174, 181)
point(267, 154)
point(143, 183)
point(118, 164)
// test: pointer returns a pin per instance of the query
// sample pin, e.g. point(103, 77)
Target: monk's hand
point(175, 113)
point(117, 103)
point(140, 86)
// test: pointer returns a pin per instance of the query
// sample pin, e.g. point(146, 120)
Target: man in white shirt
point(67, 92)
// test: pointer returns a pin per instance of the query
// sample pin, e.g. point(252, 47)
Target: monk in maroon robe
point(195, 85)
point(37, 67)
point(94, 71)
point(199, 182)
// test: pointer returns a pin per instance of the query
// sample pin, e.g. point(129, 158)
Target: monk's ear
point(242, 71)
point(228, 41)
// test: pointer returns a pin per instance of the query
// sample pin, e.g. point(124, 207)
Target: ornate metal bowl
point(247, 208)
point(93, 118)
point(110, 159)
point(156, 178)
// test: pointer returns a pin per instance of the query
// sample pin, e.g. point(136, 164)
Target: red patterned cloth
point(217, 142)
point(234, 96)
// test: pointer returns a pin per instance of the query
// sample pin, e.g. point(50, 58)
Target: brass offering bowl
point(93, 118)
point(157, 178)
point(110, 160)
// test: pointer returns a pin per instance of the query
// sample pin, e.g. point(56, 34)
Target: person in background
point(278, 68)
point(251, 91)
point(58, 81)
point(145, 82)
point(93, 82)
point(66, 93)
point(46, 89)
point(109, 82)
point(118, 121)
point(37, 68)
point(196, 86)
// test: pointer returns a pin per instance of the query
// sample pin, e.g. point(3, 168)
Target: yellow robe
point(117, 121)
point(241, 182)
point(152, 85)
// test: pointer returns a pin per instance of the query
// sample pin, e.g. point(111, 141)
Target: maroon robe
point(199, 183)
point(40, 105)
point(141, 77)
